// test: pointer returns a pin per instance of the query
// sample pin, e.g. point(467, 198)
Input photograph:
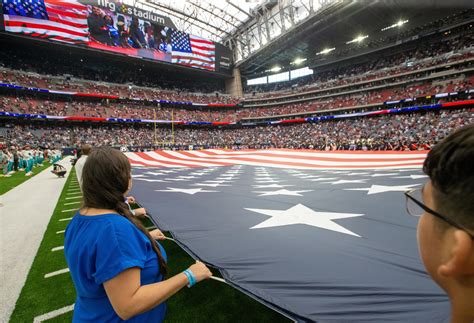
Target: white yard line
point(71, 203)
point(53, 314)
point(35, 213)
point(70, 210)
point(58, 272)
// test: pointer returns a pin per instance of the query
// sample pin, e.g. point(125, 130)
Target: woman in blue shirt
point(117, 266)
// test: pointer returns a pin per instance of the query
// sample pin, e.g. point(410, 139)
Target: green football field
point(7, 183)
point(209, 301)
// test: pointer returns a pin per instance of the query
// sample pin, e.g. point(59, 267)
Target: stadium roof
point(214, 20)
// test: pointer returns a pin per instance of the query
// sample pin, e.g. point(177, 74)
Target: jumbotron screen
point(113, 26)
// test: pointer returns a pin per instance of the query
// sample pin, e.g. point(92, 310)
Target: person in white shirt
point(85, 149)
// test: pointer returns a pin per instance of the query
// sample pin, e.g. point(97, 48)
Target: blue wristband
point(190, 277)
point(192, 280)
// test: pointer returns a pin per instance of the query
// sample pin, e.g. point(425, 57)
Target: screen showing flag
point(85, 24)
point(55, 20)
point(193, 51)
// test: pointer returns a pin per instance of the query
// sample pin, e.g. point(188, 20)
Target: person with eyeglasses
point(445, 232)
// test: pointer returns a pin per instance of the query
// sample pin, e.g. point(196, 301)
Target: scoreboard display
point(113, 26)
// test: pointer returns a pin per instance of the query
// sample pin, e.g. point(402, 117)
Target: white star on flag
point(271, 186)
point(384, 174)
point(264, 181)
point(220, 182)
point(155, 173)
point(344, 181)
point(300, 214)
point(374, 189)
point(413, 176)
point(210, 184)
point(220, 178)
point(356, 173)
point(177, 179)
point(190, 191)
point(308, 176)
point(263, 178)
point(323, 179)
point(338, 172)
point(282, 192)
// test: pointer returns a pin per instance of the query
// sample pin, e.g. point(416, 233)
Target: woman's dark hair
point(105, 180)
point(451, 170)
point(109, 17)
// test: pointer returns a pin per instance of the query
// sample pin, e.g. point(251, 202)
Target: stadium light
point(326, 51)
point(298, 61)
point(358, 39)
point(397, 24)
point(274, 69)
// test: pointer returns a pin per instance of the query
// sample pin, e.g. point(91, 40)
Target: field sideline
point(49, 288)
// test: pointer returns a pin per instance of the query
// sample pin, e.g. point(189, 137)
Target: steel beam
point(240, 9)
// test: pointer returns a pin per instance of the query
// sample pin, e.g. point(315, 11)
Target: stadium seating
point(388, 132)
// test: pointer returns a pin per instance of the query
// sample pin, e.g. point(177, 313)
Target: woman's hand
point(157, 234)
point(140, 212)
point(131, 199)
point(200, 271)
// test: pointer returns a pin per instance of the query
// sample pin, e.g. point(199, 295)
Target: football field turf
point(8, 183)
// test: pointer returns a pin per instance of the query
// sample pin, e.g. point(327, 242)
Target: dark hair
point(450, 166)
point(85, 149)
point(105, 180)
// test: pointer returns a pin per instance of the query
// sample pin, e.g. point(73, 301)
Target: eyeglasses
point(417, 208)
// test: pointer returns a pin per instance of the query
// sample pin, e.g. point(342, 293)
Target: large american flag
point(316, 243)
point(193, 51)
point(63, 21)
point(279, 158)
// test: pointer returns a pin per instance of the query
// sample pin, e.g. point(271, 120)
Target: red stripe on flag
point(147, 157)
point(66, 13)
point(203, 48)
point(200, 40)
point(10, 23)
point(334, 159)
point(191, 158)
point(71, 5)
point(69, 23)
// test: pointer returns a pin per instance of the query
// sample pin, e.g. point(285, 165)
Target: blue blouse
point(97, 249)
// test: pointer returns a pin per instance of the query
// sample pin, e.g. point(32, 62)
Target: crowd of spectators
point(387, 132)
point(121, 90)
point(136, 110)
point(425, 56)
